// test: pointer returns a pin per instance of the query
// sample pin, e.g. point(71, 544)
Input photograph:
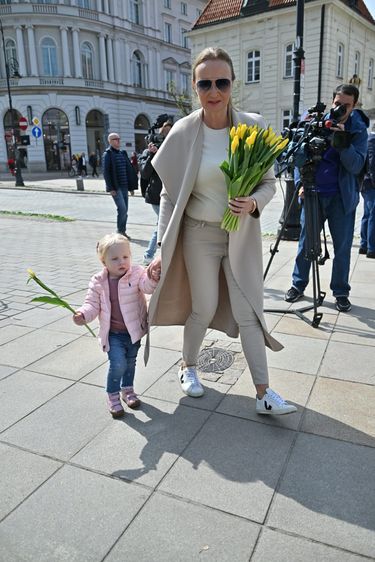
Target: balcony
point(44, 9)
point(51, 81)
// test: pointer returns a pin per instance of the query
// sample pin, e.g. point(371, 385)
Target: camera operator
point(336, 183)
point(154, 185)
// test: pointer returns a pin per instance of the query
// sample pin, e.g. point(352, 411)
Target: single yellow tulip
point(235, 143)
point(232, 132)
point(251, 139)
point(282, 144)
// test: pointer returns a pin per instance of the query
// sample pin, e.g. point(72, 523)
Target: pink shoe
point(114, 405)
point(129, 397)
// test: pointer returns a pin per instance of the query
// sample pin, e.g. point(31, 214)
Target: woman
point(212, 278)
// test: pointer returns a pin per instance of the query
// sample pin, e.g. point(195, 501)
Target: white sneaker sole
point(275, 412)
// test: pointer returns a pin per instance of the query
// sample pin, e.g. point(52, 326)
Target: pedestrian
point(93, 161)
point(82, 166)
point(153, 189)
point(211, 278)
point(116, 296)
point(336, 183)
point(367, 244)
point(134, 161)
point(120, 178)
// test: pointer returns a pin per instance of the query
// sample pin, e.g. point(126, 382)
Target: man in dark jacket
point(336, 181)
point(153, 189)
point(120, 178)
point(367, 245)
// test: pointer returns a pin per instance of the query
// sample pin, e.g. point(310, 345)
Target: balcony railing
point(44, 9)
point(88, 14)
point(51, 81)
point(7, 9)
point(94, 84)
point(12, 82)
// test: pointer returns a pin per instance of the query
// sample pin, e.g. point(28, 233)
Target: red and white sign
point(22, 123)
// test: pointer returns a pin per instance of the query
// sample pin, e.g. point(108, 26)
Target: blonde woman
point(212, 278)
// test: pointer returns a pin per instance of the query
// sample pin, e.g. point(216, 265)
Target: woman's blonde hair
point(216, 53)
point(110, 240)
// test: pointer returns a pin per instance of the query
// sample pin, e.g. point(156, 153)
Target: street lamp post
point(11, 69)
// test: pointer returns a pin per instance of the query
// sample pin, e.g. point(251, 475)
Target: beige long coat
point(177, 163)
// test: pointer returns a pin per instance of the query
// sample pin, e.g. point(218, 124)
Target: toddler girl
point(116, 295)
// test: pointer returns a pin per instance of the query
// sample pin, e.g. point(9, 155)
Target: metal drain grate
point(214, 360)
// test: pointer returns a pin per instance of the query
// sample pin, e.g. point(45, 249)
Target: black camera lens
point(338, 112)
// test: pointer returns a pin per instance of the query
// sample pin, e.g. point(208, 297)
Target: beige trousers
point(205, 247)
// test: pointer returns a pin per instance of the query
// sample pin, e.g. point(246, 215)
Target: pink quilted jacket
point(131, 288)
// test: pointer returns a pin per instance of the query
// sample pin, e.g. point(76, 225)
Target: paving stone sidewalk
point(181, 479)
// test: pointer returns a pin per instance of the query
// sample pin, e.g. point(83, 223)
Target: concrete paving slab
point(6, 371)
point(224, 466)
point(38, 317)
point(23, 392)
point(167, 337)
point(92, 513)
point(73, 361)
point(349, 362)
point(363, 290)
point(21, 473)
point(300, 354)
point(340, 409)
point(98, 376)
point(66, 324)
point(29, 348)
point(282, 547)
point(160, 361)
point(325, 494)
point(144, 444)
point(168, 388)
point(64, 425)
point(291, 324)
point(358, 326)
point(185, 532)
point(293, 387)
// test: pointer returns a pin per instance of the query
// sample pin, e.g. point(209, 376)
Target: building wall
point(270, 32)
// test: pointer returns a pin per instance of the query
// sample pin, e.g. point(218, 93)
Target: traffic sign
point(36, 121)
point(36, 132)
point(22, 123)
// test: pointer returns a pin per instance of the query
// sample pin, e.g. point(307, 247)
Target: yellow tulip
point(243, 129)
point(282, 144)
point(235, 143)
point(31, 273)
point(232, 132)
point(251, 139)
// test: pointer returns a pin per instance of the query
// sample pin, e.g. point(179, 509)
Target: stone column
point(111, 70)
point(103, 59)
point(77, 53)
point(159, 66)
point(127, 64)
point(114, 8)
point(21, 51)
point(32, 51)
point(65, 51)
point(106, 7)
point(118, 62)
point(99, 5)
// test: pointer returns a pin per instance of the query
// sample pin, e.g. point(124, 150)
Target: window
point(185, 84)
point(288, 65)
point(340, 61)
point(10, 50)
point(286, 118)
point(87, 61)
point(84, 3)
point(168, 32)
point(370, 75)
point(135, 12)
point(253, 66)
point(167, 4)
point(357, 61)
point(49, 57)
point(138, 70)
point(184, 8)
point(169, 80)
point(184, 38)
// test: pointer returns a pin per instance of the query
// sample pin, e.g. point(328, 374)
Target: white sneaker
point(189, 381)
point(272, 403)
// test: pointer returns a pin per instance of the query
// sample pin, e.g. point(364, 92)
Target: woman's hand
point(79, 319)
point(154, 269)
point(242, 205)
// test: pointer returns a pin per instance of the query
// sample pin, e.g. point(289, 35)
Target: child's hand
point(79, 319)
point(154, 269)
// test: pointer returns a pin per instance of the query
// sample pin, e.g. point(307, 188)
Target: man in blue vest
point(336, 181)
point(120, 178)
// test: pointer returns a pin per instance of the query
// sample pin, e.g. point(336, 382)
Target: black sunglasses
point(221, 84)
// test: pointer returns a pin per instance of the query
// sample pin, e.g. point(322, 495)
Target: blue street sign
point(36, 132)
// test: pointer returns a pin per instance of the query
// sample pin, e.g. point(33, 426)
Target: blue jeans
point(122, 357)
point(368, 221)
point(341, 227)
point(152, 245)
point(121, 201)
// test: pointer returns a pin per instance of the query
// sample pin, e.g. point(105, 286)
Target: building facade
point(260, 34)
point(82, 68)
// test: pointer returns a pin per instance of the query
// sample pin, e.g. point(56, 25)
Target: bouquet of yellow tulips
point(252, 151)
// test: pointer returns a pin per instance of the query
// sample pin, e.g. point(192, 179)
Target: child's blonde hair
point(110, 240)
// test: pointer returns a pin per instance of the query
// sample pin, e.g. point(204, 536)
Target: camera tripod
point(313, 248)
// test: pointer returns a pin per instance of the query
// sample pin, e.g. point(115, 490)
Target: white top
point(209, 197)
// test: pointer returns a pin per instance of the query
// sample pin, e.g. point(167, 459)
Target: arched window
point(87, 58)
point(138, 70)
point(288, 64)
point(253, 66)
point(10, 49)
point(49, 57)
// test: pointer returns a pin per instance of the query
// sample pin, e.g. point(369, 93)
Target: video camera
point(153, 137)
point(311, 137)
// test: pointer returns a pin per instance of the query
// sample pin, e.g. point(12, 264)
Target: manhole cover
point(214, 360)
